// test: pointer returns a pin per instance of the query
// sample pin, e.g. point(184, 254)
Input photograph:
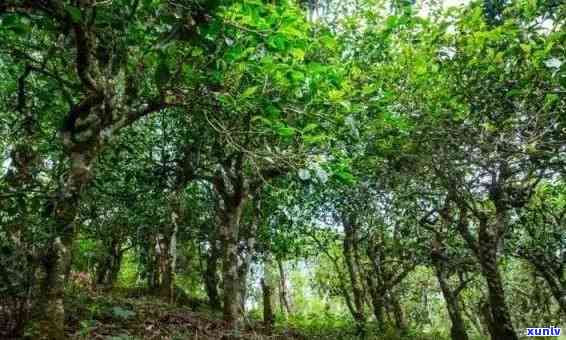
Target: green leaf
point(74, 13)
point(335, 95)
point(420, 67)
point(298, 54)
point(273, 111)
point(250, 91)
point(315, 139)
point(277, 41)
point(310, 127)
point(550, 99)
point(297, 76)
point(15, 24)
point(10, 20)
point(262, 119)
point(196, 51)
point(286, 131)
point(345, 176)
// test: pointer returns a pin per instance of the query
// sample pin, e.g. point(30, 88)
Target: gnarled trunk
point(243, 270)
point(349, 250)
point(501, 319)
point(485, 249)
point(267, 289)
point(246, 254)
point(398, 314)
point(55, 264)
point(168, 258)
point(57, 260)
point(211, 276)
point(458, 329)
point(377, 301)
point(229, 228)
point(552, 274)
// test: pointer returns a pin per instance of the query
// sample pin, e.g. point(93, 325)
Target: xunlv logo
point(543, 331)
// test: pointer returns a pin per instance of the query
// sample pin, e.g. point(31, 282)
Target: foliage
point(363, 169)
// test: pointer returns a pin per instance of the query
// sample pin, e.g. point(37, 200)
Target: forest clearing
point(282, 169)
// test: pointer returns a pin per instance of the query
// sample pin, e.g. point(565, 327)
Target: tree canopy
point(364, 169)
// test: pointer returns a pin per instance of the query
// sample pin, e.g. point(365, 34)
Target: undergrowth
point(134, 314)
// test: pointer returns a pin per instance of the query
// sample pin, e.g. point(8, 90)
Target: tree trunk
point(152, 265)
point(58, 259)
point(246, 254)
point(488, 245)
point(458, 329)
point(377, 301)
point(229, 228)
point(377, 287)
point(56, 262)
point(168, 244)
point(349, 248)
point(168, 261)
point(398, 314)
point(268, 317)
point(485, 249)
point(486, 318)
point(211, 276)
point(109, 266)
point(243, 270)
point(102, 271)
point(283, 290)
point(554, 281)
point(267, 289)
point(340, 275)
point(115, 266)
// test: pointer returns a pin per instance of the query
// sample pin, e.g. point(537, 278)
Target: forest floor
point(133, 314)
point(129, 314)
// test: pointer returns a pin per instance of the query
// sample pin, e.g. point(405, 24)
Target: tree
point(101, 96)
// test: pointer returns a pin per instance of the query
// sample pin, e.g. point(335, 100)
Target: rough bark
point(486, 318)
point(233, 191)
point(398, 314)
point(553, 276)
point(55, 263)
point(167, 266)
point(381, 282)
point(458, 329)
point(267, 285)
point(488, 257)
point(152, 265)
point(283, 289)
point(109, 266)
point(349, 249)
point(485, 248)
point(245, 254)
point(243, 270)
point(377, 301)
point(268, 316)
point(211, 279)
point(58, 259)
point(169, 247)
point(229, 228)
point(89, 125)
